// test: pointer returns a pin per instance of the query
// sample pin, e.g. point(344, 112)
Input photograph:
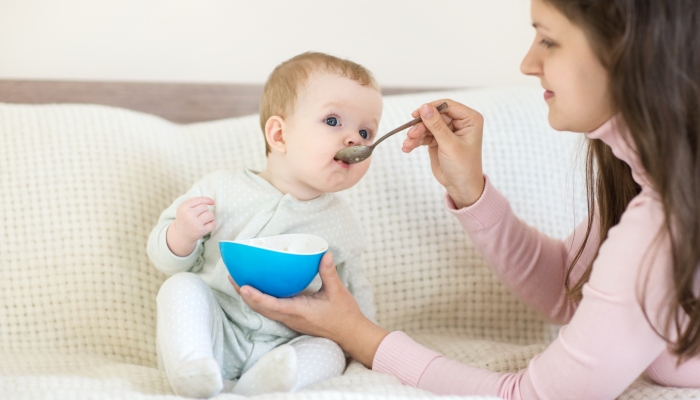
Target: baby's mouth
point(342, 163)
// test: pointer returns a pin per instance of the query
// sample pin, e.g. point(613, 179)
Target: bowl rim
point(243, 242)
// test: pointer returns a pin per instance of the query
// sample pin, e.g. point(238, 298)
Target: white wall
point(443, 43)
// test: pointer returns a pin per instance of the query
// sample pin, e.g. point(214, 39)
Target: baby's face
point(332, 113)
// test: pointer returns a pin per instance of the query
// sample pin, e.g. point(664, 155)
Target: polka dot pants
point(318, 359)
point(192, 326)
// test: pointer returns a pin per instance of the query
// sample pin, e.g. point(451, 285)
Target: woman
point(625, 283)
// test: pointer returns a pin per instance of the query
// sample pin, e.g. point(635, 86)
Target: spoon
point(355, 154)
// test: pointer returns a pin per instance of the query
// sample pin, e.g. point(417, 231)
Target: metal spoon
point(355, 154)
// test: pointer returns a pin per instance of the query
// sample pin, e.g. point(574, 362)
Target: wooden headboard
point(177, 102)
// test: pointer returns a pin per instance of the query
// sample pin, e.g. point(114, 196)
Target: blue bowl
point(281, 265)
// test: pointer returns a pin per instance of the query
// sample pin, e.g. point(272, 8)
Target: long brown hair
point(651, 49)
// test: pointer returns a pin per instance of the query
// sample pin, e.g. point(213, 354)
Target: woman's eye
point(546, 43)
point(332, 121)
point(364, 134)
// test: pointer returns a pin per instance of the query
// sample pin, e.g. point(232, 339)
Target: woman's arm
point(417, 366)
point(609, 342)
point(531, 264)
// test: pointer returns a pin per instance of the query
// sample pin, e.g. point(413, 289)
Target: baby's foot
point(228, 385)
point(276, 371)
point(198, 378)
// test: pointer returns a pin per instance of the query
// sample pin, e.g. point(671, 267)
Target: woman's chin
point(575, 122)
point(557, 122)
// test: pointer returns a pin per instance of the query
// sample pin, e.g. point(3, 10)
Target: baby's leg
point(189, 327)
point(293, 366)
point(318, 359)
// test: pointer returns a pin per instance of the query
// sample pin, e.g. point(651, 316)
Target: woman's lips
point(548, 94)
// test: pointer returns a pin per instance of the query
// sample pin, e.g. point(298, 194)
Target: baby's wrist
point(177, 243)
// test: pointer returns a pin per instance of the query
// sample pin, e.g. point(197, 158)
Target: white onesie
point(200, 315)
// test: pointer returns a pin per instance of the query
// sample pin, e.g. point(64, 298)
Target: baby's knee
point(326, 343)
point(317, 342)
point(176, 285)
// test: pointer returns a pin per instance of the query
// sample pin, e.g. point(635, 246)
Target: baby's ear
point(273, 134)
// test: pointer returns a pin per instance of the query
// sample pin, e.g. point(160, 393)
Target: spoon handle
point(442, 107)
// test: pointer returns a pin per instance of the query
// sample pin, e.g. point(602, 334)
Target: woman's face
point(576, 83)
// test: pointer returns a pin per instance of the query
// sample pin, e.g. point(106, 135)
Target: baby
point(208, 339)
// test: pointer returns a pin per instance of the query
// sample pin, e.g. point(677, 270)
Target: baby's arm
point(174, 245)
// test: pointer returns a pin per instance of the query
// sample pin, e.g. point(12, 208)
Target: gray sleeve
point(157, 247)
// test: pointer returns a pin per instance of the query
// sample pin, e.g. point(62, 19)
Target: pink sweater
point(607, 341)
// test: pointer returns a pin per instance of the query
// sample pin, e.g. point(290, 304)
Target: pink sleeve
point(608, 343)
point(423, 368)
point(531, 264)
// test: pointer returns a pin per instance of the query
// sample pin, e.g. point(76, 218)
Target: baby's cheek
point(365, 165)
point(307, 156)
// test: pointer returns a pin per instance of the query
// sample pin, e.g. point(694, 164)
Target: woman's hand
point(454, 145)
point(331, 312)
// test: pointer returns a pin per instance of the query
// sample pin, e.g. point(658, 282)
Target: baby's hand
point(193, 220)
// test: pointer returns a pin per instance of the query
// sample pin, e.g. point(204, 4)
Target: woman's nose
point(531, 64)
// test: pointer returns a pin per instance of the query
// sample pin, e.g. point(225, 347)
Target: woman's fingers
point(267, 305)
point(283, 309)
point(454, 109)
point(235, 285)
point(420, 135)
point(435, 103)
point(410, 144)
point(328, 273)
point(435, 124)
point(419, 129)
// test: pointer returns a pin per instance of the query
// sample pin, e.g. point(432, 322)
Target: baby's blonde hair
point(287, 79)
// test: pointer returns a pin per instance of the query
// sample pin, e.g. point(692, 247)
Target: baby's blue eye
point(364, 134)
point(332, 121)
